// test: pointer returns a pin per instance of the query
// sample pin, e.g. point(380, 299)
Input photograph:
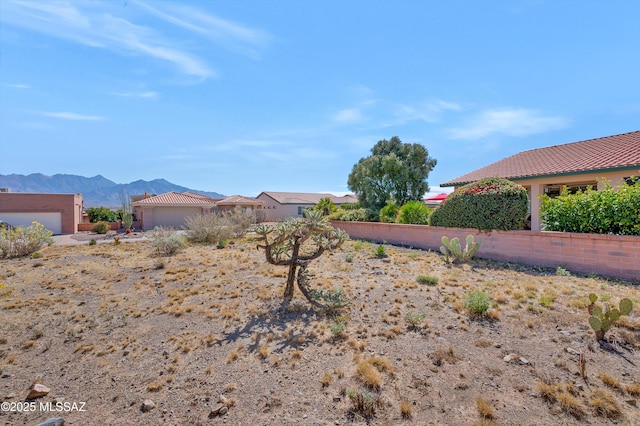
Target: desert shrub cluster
point(487, 204)
point(20, 241)
point(611, 210)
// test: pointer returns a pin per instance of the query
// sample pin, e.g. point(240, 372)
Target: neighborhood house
point(577, 165)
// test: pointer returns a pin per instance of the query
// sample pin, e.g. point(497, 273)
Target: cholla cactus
point(295, 243)
point(453, 251)
point(602, 318)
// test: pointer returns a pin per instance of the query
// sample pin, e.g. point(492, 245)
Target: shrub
point(325, 206)
point(477, 302)
point(167, 242)
point(414, 319)
point(97, 214)
point(389, 213)
point(607, 211)
point(354, 215)
point(380, 252)
point(18, 241)
point(414, 212)
point(428, 280)
point(241, 220)
point(487, 204)
point(208, 228)
point(334, 300)
point(101, 227)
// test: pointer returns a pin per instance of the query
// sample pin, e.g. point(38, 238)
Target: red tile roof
point(238, 200)
point(308, 198)
point(176, 199)
point(610, 152)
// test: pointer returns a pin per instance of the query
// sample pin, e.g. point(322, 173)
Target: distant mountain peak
point(96, 191)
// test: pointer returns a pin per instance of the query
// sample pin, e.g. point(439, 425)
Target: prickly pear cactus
point(602, 318)
point(453, 251)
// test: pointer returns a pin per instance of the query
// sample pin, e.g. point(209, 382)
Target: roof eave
point(570, 173)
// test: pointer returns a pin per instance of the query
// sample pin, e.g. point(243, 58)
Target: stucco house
point(577, 165)
point(59, 213)
point(170, 209)
point(279, 206)
point(233, 201)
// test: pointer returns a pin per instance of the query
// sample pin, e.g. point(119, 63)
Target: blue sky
point(240, 97)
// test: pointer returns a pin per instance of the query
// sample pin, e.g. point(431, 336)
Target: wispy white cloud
point(73, 116)
point(429, 112)
point(515, 122)
point(101, 25)
point(17, 85)
point(231, 35)
point(237, 144)
point(144, 95)
point(348, 116)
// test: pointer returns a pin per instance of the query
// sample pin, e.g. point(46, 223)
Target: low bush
point(166, 241)
point(477, 302)
point(354, 215)
point(101, 227)
point(414, 212)
point(20, 241)
point(606, 211)
point(487, 204)
point(98, 214)
point(389, 213)
point(241, 220)
point(209, 228)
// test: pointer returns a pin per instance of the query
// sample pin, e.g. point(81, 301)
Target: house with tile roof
point(279, 206)
point(577, 165)
point(170, 209)
point(233, 201)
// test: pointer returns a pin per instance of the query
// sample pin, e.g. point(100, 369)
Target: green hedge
point(607, 211)
point(414, 212)
point(487, 204)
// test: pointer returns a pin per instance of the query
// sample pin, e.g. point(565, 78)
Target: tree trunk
point(288, 290)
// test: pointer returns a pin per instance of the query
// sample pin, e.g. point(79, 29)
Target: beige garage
point(51, 221)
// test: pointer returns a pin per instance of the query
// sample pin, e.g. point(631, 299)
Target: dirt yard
point(123, 337)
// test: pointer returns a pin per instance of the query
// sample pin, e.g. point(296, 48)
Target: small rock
point(11, 395)
point(223, 410)
point(215, 410)
point(6, 374)
point(509, 357)
point(572, 351)
point(523, 361)
point(633, 402)
point(54, 421)
point(37, 391)
point(337, 398)
point(147, 405)
point(497, 345)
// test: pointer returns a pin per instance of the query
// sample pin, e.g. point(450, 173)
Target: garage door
point(173, 217)
point(51, 221)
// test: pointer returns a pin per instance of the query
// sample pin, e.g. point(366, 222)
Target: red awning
point(439, 197)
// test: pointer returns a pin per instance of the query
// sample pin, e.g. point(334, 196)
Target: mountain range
point(96, 191)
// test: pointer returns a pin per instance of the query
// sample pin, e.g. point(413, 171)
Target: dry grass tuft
point(605, 404)
point(610, 381)
point(485, 409)
point(405, 409)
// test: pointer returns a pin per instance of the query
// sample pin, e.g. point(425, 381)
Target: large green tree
point(394, 171)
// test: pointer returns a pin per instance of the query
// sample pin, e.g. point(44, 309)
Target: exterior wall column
point(536, 191)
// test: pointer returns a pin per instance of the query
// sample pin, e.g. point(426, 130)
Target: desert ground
point(201, 338)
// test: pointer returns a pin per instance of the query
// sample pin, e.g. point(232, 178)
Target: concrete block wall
point(606, 255)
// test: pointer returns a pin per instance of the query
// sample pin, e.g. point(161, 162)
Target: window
point(555, 190)
point(300, 210)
